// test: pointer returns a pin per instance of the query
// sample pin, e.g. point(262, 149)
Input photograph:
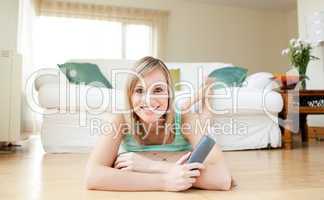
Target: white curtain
point(157, 19)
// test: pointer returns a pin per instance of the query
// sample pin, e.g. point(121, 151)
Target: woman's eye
point(157, 90)
point(139, 90)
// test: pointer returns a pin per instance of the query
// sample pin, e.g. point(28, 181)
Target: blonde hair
point(140, 68)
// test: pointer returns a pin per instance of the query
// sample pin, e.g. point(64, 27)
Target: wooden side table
point(297, 105)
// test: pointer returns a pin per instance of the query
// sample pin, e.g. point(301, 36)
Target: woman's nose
point(148, 100)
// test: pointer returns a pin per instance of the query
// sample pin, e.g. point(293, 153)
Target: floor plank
point(29, 173)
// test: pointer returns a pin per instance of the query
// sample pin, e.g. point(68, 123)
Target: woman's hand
point(133, 162)
point(182, 176)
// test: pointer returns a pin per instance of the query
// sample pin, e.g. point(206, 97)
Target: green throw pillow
point(86, 73)
point(229, 76)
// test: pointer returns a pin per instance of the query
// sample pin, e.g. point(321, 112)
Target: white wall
point(209, 32)
point(292, 24)
point(16, 21)
point(9, 15)
point(315, 69)
point(27, 14)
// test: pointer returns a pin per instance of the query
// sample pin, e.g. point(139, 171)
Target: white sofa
point(247, 117)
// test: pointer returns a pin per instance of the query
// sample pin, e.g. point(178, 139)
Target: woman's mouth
point(148, 109)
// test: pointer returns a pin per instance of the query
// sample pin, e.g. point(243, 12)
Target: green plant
point(299, 55)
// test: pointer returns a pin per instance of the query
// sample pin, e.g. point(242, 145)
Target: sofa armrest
point(49, 76)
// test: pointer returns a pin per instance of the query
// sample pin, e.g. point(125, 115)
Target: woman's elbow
point(221, 183)
point(90, 182)
point(93, 179)
point(224, 184)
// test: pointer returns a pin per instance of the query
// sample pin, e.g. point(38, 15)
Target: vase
point(303, 84)
point(302, 74)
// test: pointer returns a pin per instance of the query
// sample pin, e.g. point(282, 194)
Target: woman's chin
point(150, 118)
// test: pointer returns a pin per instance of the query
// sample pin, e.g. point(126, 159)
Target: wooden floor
point(29, 173)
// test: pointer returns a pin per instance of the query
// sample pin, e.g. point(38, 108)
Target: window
point(138, 41)
point(60, 39)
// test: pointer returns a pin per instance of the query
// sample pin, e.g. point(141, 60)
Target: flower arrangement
point(299, 55)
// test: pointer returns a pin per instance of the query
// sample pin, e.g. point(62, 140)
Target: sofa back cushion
point(192, 73)
point(260, 80)
point(195, 74)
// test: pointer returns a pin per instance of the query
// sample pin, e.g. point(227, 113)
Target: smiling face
point(149, 97)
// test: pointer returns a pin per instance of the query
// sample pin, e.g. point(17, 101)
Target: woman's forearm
point(107, 178)
point(159, 167)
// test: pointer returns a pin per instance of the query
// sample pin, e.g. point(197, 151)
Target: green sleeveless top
point(129, 144)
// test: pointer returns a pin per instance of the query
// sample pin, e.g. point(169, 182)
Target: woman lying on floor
point(155, 141)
